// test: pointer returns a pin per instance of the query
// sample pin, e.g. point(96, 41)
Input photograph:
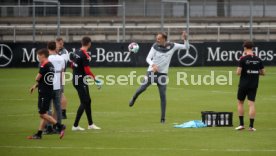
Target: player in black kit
point(249, 69)
point(45, 93)
point(81, 71)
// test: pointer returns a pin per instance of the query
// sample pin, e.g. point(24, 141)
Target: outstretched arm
point(186, 43)
point(184, 36)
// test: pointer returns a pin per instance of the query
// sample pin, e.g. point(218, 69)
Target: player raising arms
point(250, 67)
point(81, 70)
point(44, 84)
point(159, 59)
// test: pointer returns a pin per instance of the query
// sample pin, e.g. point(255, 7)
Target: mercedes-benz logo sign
point(188, 57)
point(6, 55)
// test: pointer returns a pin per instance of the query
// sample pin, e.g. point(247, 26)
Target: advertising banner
point(117, 55)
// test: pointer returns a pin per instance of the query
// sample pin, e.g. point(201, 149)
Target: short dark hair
point(86, 40)
point(248, 44)
point(51, 45)
point(44, 52)
point(59, 39)
point(164, 35)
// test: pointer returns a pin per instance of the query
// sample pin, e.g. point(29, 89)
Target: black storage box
point(217, 119)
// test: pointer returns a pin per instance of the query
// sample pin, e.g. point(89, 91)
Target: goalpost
point(187, 13)
point(58, 15)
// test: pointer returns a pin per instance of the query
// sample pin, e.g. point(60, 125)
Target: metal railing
point(202, 8)
point(167, 29)
point(123, 8)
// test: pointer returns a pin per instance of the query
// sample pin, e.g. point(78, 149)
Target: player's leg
point(57, 105)
point(48, 118)
point(86, 100)
point(85, 105)
point(43, 106)
point(63, 106)
point(59, 127)
point(241, 97)
point(162, 87)
point(63, 103)
point(252, 110)
point(49, 127)
point(88, 109)
point(145, 84)
point(80, 109)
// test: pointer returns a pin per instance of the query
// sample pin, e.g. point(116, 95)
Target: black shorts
point(44, 101)
point(249, 92)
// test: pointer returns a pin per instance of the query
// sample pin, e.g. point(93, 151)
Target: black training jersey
point(45, 84)
point(80, 59)
point(251, 66)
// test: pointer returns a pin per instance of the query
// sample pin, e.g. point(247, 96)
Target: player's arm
point(240, 66)
point(149, 60)
point(185, 44)
point(184, 36)
point(91, 75)
point(239, 69)
point(37, 78)
point(262, 72)
point(89, 72)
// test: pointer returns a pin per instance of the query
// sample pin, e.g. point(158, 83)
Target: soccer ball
point(133, 47)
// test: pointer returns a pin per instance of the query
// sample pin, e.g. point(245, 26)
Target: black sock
point(251, 123)
point(241, 120)
point(39, 133)
point(64, 112)
point(58, 126)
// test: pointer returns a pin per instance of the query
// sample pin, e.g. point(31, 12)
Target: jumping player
point(159, 59)
point(250, 67)
point(44, 84)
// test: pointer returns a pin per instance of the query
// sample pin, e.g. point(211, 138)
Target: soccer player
point(63, 53)
point(59, 65)
point(249, 69)
point(81, 70)
point(159, 59)
point(44, 84)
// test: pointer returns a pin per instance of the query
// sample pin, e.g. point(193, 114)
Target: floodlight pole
point(162, 16)
point(188, 20)
point(251, 20)
point(33, 21)
point(58, 19)
point(124, 21)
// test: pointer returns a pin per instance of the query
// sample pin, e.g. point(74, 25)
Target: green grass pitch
point(137, 131)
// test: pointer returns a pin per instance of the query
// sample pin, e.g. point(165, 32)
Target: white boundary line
point(139, 149)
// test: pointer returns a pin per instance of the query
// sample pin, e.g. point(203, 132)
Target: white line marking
point(139, 149)
point(115, 113)
point(11, 99)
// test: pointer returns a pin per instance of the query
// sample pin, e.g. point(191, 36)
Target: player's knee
point(42, 115)
point(251, 103)
point(87, 101)
point(240, 102)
